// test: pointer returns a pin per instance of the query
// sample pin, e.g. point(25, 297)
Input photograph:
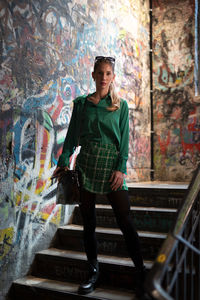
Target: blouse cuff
point(122, 166)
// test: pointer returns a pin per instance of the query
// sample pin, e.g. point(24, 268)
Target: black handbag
point(68, 188)
point(69, 185)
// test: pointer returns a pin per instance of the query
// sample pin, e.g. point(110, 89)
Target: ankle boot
point(90, 284)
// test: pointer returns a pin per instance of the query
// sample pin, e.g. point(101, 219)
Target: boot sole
point(85, 292)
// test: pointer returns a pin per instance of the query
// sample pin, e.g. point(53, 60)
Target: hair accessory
point(109, 58)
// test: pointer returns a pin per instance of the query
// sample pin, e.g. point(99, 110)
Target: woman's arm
point(117, 178)
point(124, 143)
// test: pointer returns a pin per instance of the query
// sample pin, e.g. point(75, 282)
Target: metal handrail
point(176, 271)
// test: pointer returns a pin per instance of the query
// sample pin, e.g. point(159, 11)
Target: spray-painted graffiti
point(135, 88)
point(139, 148)
point(176, 141)
point(6, 170)
point(46, 60)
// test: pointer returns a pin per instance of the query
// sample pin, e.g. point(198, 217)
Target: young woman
point(104, 121)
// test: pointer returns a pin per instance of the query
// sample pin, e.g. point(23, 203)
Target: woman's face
point(103, 76)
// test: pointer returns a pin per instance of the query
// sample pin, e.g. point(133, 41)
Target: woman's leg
point(87, 208)
point(119, 201)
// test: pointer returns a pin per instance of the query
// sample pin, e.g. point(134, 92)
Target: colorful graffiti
point(46, 60)
point(176, 144)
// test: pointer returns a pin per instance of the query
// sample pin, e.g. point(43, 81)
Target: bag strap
point(77, 150)
point(81, 122)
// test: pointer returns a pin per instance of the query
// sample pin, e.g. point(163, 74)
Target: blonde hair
point(115, 100)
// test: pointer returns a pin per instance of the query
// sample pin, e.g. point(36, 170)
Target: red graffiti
point(54, 111)
point(164, 144)
point(190, 146)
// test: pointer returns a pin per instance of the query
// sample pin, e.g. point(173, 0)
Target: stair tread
point(68, 287)
point(141, 208)
point(159, 185)
point(115, 231)
point(102, 258)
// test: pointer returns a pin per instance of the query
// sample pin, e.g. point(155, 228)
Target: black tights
point(119, 201)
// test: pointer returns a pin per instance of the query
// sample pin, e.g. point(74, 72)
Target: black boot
point(90, 284)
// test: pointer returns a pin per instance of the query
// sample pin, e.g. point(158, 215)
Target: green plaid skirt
point(96, 162)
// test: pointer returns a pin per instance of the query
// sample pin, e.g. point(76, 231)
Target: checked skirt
point(96, 163)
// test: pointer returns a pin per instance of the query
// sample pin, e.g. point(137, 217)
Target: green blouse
point(98, 125)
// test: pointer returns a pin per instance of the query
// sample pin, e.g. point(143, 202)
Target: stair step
point(161, 185)
point(145, 218)
point(122, 261)
point(142, 208)
point(110, 241)
point(156, 194)
point(65, 265)
point(56, 272)
point(114, 231)
point(32, 288)
point(159, 194)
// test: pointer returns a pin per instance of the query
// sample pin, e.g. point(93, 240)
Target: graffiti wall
point(135, 88)
point(176, 109)
point(47, 50)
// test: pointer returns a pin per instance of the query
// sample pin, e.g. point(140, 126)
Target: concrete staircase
point(57, 271)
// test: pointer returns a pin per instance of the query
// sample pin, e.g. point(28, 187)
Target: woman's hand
point(58, 172)
point(116, 180)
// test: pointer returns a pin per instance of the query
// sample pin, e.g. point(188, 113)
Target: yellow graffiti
point(6, 240)
point(122, 34)
point(43, 215)
point(137, 50)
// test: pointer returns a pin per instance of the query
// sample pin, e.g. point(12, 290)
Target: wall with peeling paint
point(176, 109)
point(47, 50)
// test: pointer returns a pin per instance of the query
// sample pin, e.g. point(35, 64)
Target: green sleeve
point(124, 143)
point(70, 142)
